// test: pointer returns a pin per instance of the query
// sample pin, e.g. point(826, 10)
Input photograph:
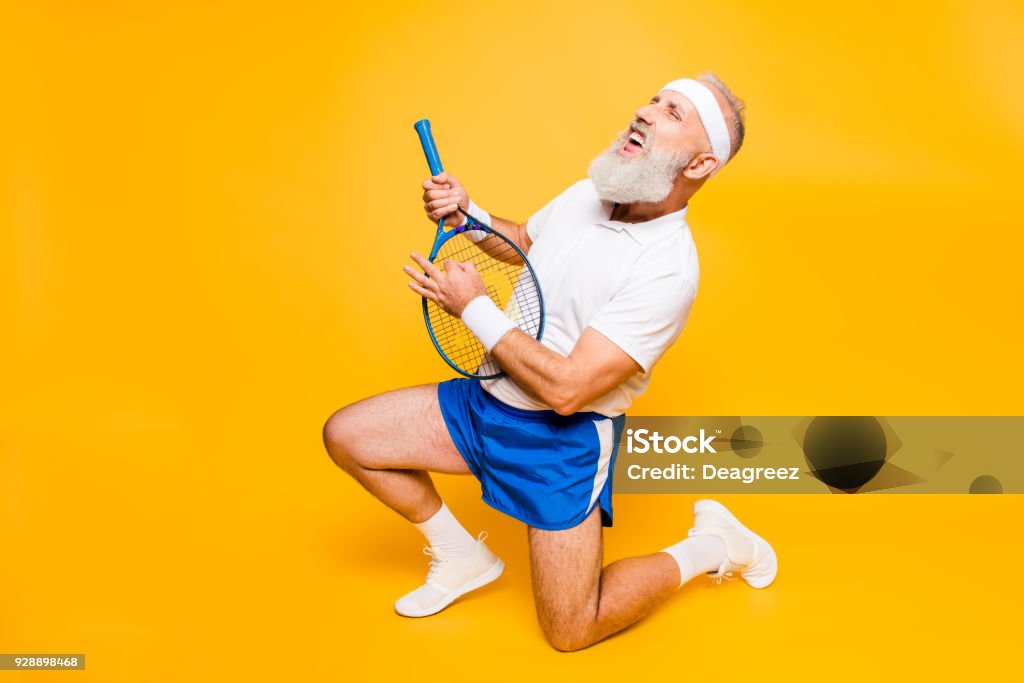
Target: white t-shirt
point(635, 283)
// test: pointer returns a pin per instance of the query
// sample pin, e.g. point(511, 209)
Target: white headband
point(709, 112)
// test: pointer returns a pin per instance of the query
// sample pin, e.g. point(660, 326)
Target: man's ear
point(701, 166)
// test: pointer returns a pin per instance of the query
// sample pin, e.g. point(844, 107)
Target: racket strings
point(509, 284)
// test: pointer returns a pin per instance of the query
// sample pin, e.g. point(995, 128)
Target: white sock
point(445, 533)
point(697, 555)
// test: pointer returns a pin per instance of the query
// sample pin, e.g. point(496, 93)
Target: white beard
point(645, 179)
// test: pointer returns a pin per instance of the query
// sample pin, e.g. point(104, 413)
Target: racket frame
point(422, 128)
point(443, 236)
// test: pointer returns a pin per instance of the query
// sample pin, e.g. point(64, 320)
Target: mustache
point(638, 126)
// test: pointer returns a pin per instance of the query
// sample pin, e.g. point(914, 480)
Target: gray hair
point(735, 117)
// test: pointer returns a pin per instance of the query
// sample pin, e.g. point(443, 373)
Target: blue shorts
point(544, 469)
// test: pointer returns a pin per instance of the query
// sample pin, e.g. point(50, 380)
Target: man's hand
point(443, 195)
point(451, 289)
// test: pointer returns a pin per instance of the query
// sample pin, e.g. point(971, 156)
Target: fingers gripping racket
point(509, 278)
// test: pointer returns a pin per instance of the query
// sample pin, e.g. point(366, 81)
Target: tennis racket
point(510, 281)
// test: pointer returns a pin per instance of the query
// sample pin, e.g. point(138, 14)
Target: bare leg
point(578, 603)
point(388, 442)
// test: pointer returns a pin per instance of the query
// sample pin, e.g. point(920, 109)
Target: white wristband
point(486, 321)
point(479, 214)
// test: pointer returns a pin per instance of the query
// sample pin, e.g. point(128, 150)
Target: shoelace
point(723, 573)
point(438, 561)
point(728, 574)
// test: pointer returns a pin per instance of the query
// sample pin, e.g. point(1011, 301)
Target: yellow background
point(205, 207)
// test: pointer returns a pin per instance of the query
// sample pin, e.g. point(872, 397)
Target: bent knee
point(567, 635)
point(339, 438)
point(566, 640)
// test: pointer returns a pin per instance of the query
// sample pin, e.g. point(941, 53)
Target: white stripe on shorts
point(606, 437)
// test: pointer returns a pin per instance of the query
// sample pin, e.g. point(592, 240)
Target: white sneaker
point(746, 552)
point(449, 578)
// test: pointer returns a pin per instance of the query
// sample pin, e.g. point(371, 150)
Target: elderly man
point(618, 268)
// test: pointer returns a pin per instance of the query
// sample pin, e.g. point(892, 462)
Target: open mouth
point(635, 143)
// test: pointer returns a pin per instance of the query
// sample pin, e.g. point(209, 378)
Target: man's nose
point(645, 113)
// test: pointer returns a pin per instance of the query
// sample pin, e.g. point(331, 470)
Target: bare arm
point(514, 231)
point(594, 367)
point(566, 383)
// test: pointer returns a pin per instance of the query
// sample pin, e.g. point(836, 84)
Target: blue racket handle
point(429, 148)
